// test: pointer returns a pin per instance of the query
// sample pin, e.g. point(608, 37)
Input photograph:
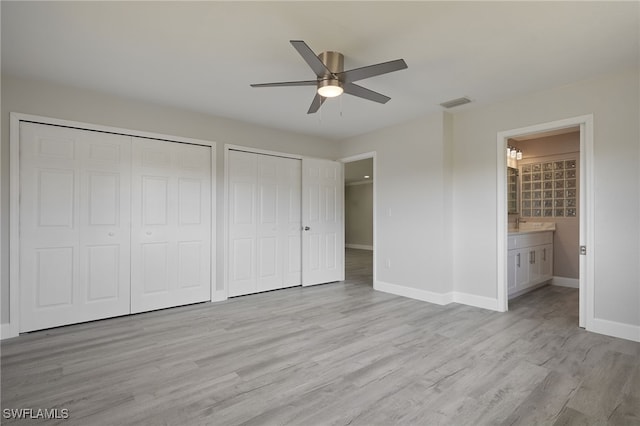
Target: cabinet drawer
point(529, 240)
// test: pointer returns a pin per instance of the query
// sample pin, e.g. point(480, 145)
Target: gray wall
point(358, 203)
point(64, 102)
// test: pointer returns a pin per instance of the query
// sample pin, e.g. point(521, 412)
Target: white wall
point(614, 102)
point(63, 102)
point(412, 220)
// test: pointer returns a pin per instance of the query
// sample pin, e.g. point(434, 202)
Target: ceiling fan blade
point(361, 92)
point(316, 104)
point(287, 83)
point(372, 70)
point(310, 58)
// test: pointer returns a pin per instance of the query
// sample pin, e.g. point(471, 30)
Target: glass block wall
point(549, 189)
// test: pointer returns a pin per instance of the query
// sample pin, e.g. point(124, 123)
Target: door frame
point(12, 328)
point(586, 278)
point(358, 157)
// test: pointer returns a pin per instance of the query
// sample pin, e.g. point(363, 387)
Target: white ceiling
point(202, 56)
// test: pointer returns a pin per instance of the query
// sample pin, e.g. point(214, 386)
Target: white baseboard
point(476, 301)
point(566, 282)
point(438, 298)
point(615, 329)
point(7, 331)
point(359, 246)
point(414, 293)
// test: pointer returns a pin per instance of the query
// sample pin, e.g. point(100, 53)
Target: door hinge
point(583, 250)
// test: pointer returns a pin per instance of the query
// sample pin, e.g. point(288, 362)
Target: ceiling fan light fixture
point(332, 80)
point(330, 88)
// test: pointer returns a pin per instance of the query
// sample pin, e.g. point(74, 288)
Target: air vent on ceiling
point(455, 102)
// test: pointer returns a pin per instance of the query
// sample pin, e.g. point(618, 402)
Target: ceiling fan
point(332, 80)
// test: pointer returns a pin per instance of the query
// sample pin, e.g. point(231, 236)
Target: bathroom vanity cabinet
point(530, 260)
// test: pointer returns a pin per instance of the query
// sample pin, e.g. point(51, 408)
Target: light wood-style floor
point(334, 354)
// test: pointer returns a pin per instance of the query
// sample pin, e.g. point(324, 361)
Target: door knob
point(148, 232)
point(306, 228)
point(111, 234)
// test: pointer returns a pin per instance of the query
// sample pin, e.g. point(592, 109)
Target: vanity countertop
point(529, 227)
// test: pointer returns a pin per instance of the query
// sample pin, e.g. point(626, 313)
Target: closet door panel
point(269, 276)
point(242, 181)
point(74, 225)
point(264, 222)
point(291, 222)
point(171, 224)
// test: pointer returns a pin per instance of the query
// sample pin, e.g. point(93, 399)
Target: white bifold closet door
point(110, 225)
point(171, 224)
point(74, 225)
point(264, 222)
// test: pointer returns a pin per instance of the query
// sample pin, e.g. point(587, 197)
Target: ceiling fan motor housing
point(334, 61)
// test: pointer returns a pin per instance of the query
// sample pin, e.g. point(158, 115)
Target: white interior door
point(322, 221)
point(264, 222)
point(74, 225)
point(171, 224)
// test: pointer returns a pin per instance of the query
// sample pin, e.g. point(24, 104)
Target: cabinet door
point(546, 261)
point(512, 265)
point(522, 269)
point(534, 254)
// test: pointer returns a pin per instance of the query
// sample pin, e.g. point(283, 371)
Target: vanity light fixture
point(514, 153)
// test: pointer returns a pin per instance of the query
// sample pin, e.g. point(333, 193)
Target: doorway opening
point(543, 195)
point(558, 193)
point(359, 213)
